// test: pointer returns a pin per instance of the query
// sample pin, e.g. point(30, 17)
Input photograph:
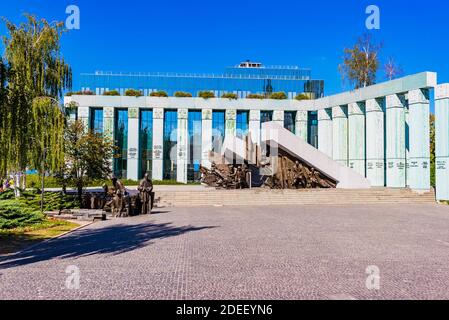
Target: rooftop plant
point(181, 94)
point(133, 93)
point(206, 94)
point(161, 94)
point(231, 96)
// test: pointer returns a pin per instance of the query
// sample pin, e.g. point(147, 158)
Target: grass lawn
point(13, 240)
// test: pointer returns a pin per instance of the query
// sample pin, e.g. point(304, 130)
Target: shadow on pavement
point(114, 240)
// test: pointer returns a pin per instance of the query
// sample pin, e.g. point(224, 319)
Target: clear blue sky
point(206, 36)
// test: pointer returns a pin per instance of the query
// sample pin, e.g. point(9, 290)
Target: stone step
point(258, 197)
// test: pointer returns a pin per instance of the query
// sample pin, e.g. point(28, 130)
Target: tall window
point(96, 120)
point(289, 120)
point(266, 116)
point(146, 142)
point(170, 142)
point(195, 146)
point(312, 135)
point(218, 130)
point(121, 142)
point(242, 123)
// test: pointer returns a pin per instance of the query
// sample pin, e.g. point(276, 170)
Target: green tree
point(3, 114)
point(361, 62)
point(87, 157)
point(36, 69)
point(432, 151)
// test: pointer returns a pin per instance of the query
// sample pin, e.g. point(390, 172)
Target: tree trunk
point(80, 193)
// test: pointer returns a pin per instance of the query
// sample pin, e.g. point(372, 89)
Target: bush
point(181, 94)
point(231, 96)
point(160, 94)
point(80, 93)
point(53, 201)
point(16, 214)
point(302, 96)
point(7, 195)
point(133, 93)
point(278, 96)
point(255, 96)
point(111, 93)
point(206, 94)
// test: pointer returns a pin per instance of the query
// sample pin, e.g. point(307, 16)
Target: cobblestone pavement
point(244, 253)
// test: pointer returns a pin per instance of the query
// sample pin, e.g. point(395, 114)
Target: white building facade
point(382, 131)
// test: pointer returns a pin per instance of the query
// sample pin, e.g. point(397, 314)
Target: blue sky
point(206, 36)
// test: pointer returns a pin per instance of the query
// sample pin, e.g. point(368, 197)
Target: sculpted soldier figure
point(119, 195)
point(146, 194)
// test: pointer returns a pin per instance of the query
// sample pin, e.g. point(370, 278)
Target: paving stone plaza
point(244, 253)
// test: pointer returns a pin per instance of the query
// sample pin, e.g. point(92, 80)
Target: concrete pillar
point(108, 123)
point(231, 122)
point(83, 116)
point(302, 124)
point(407, 146)
point(108, 127)
point(206, 143)
point(133, 144)
point(442, 141)
point(340, 134)
point(158, 143)
point(254, 125)
point(278, 117)
point(325, 129)
point(395, 141)
point(357, 143)
point(375, 142)
point(419, 140)
point(182, 145)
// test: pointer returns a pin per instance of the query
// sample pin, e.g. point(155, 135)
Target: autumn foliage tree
point(361, 62)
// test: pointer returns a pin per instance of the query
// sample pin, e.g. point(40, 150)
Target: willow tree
point(36, 69)
point(3, 112)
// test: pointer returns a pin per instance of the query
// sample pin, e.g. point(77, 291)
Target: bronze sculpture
point(146, 194)
point(120, 203)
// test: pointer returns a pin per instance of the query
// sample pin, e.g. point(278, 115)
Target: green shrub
point(255, 96)
point(80, 93)
point(53, 201)
point(160, 94)
point(16, 214)
point(302, 96)
point(133, 93)
point(231, 96)
point(181, 94)
point(111, 93)
point(278, 96)
point(206, 94)
point(7, 195)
